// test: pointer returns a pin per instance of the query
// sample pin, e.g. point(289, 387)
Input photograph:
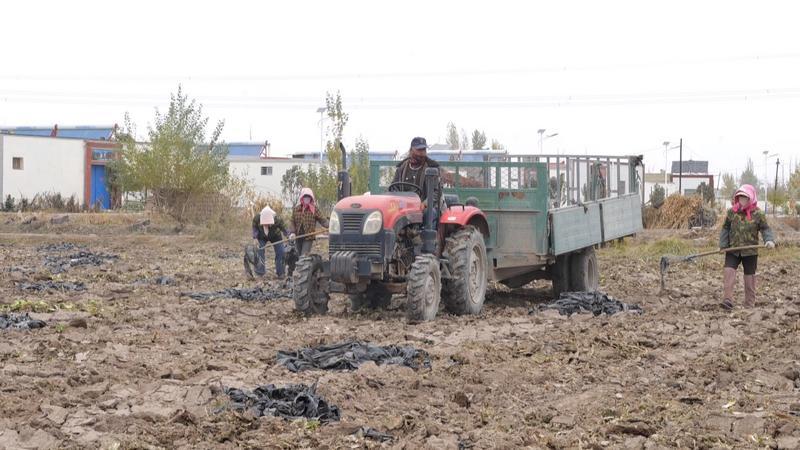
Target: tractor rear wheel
point(466, 291)
point(559, 272)
point(309, 297)
point(584, 273)
point(423, 289)
point(375, 297)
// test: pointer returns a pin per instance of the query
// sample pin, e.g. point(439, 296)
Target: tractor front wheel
point(423, 289)
point(309, 297)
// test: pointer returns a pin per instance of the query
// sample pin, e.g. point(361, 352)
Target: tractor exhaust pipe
point(430, 219)
point(343, 179)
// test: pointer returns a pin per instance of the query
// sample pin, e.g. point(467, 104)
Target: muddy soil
point(132, 364)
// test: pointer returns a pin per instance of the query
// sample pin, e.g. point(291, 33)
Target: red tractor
point(390, 243)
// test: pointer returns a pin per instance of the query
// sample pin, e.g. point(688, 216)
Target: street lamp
point(767, 156)
point(542, 137)
point(321, 111)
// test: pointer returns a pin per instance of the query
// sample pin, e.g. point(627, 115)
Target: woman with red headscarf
point(743, 222)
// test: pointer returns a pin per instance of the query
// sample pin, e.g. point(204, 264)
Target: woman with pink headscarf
point(305, 218)
point(743, 222)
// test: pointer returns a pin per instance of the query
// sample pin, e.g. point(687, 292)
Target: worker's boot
point(728, 283)
point(749, 291)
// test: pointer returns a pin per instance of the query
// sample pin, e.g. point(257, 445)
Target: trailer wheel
point(584, 272)
point(559, 272)
point(466, 291)
point(423, 289)
point(375, 297)
point(309, 297)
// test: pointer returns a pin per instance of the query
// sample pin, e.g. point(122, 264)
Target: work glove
point(770, 244)
point(291, 237)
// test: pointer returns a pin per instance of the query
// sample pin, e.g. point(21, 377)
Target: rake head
point(249, 260)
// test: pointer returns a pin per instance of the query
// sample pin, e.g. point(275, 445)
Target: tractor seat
point(451, 199)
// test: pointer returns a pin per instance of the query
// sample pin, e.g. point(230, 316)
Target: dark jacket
point(406, 174)
point(276, 230)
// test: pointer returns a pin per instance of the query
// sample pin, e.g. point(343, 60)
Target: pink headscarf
point(310, 207)
point(750, 192)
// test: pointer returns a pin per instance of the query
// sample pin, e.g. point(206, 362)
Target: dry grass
point(674, 213)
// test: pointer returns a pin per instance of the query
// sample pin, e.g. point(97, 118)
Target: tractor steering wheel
point(417, 189)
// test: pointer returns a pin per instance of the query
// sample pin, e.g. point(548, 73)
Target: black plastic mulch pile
point(251, 294)
point(40, 286)
point(350, 355)
point(293, 401)
point(19, 321)
point(597, 303)
point(60, 263)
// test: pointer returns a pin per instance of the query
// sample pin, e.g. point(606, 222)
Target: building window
point(16, 163)
point(266, 170)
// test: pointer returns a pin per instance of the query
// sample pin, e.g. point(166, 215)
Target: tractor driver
point(411, 170)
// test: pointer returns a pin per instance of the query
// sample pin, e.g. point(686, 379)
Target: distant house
point(68, 160)
point(689, 174)
point(93, 133)
point(254, 162)
point(694, 173)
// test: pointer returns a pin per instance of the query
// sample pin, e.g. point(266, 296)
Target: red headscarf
point(750, 192)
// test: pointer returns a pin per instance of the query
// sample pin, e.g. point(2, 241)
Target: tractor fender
point(466, 215)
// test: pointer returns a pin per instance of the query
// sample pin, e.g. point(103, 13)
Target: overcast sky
point(609, 77)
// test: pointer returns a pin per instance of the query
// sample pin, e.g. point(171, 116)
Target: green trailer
point(545, 213)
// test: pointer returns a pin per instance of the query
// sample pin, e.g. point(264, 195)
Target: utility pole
point(766, 181)
point(680, 169)
point(666, 165)
point(775, 192)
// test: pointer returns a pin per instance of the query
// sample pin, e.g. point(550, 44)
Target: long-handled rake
point(667, 260)
point(251, 251)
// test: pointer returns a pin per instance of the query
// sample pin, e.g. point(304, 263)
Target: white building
point(686, 180)
point(253, 162)
point(31, 165)
point(265, 174)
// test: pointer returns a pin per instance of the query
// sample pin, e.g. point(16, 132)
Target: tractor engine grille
point(373, 249)
point(351, 223)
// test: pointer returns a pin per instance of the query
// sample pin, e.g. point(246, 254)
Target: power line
point(427, 103)
point(427, 74)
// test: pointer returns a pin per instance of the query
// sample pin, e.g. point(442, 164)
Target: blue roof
point(89, 133)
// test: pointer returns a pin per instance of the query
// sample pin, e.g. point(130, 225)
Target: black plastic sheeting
point(159, 281)
point(350, 355)
point(596, 303)
point(40, 286)
point(59, 264)
point(371, 433)
point(19, 321)
point(251, 294)
point(60, 247)
point(293, 401)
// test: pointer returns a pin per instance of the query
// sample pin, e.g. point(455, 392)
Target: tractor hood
point(393, 206)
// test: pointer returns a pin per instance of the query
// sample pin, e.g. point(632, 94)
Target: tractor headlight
point(333, 224)
point(373, 223)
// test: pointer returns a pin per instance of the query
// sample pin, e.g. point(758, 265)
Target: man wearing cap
point(412, 169)
point(269, 227)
